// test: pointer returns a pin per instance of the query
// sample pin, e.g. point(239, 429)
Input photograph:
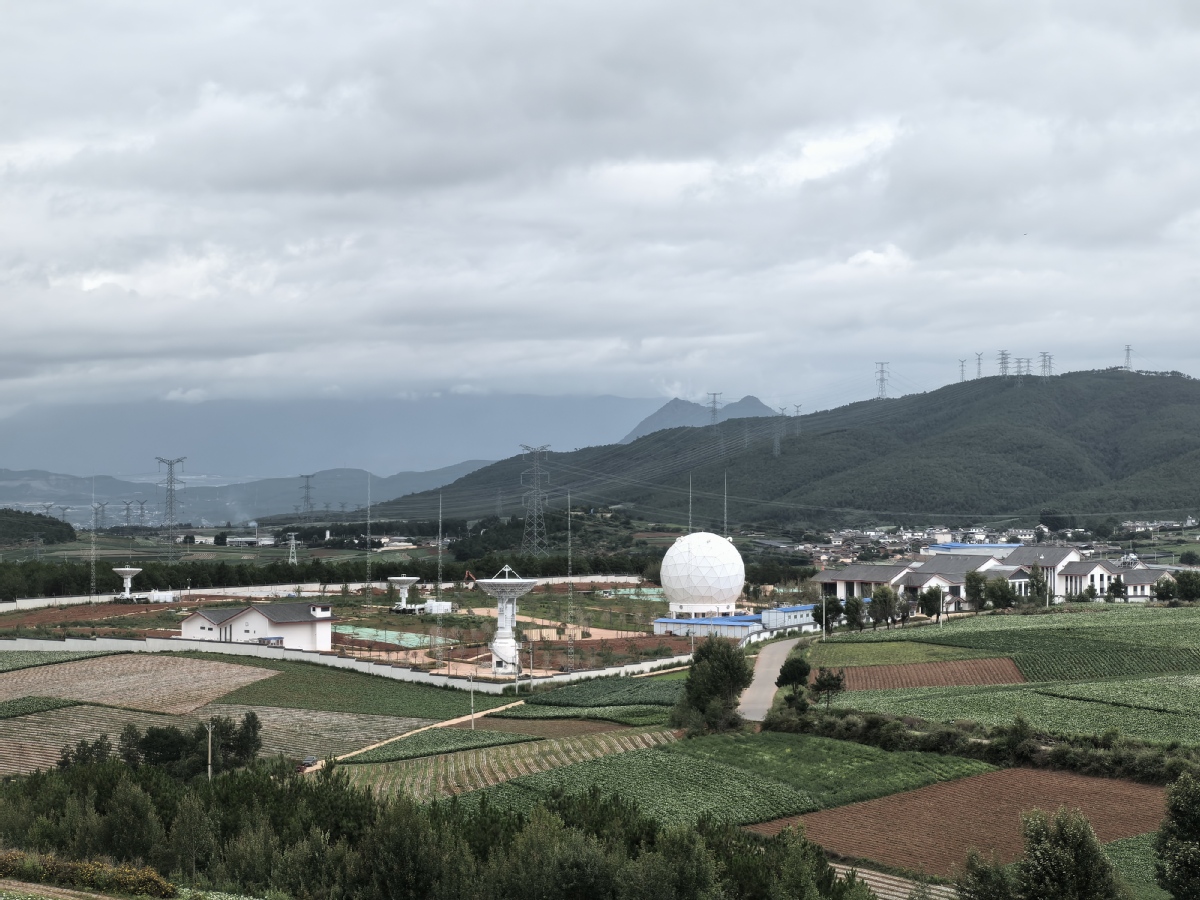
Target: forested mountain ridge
point(1107, 442)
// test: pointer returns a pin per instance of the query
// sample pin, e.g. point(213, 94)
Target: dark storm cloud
point(631, 198)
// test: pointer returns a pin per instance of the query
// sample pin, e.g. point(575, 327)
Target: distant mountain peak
point(677, 413)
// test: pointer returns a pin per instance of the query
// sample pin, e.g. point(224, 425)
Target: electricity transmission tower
point(881, 380)
point(962, 370)
point(104, 515)
point(292, 559)
point(171, 485)
point(780, 425)
point(1045, 362)
point(306, 494)
point(570, 596)
point(46, 507)
point(128, 514)
point(1003, 363)
point(64, 510)
point(141, 512)
point(1128, 358)
point(533, 543)
point(713, 400)
point(978, 365)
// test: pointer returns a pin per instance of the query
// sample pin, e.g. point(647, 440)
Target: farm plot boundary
point(932, 828)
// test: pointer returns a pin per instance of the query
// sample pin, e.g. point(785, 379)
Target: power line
point(533, 542)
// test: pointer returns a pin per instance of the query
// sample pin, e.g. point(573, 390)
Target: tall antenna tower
point(713, 401)
point(1004, 363)
point(881, 380)
point(533, 543)
point(293, 560)
point(306, 494)
point(570, 596)
point(962, 370)
point(1128, 358)
point(978, 365)
point(440, 652)
point(171, 485)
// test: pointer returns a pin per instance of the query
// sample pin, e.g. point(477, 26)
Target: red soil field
point(932, 828)
point(948, 673)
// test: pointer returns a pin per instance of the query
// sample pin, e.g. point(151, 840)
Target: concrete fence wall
point(397, 673)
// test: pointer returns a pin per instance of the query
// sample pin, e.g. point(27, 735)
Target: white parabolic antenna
point(703, 574)
point(507, 587)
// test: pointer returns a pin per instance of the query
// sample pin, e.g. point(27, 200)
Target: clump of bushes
point(123, 879)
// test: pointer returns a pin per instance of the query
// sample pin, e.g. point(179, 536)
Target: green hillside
point(17, 526)
point(1089, 443)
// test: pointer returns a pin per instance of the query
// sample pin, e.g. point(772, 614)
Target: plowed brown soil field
point(932, 828)
point(163, 684)
point(948, 673)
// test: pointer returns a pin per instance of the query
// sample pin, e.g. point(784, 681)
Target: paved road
point(756, 701)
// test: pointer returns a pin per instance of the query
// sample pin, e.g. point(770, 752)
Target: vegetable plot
point(11, 660)
point(436, 741)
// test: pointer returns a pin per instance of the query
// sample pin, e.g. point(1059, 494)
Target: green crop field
point(435, 741)
point(652, 778)
point(833, 654)
point(1075, 643)
point(1038, 704)
point(27, 706)
point(11, 660)
point(309, 686)
point(1134, 859)
point(612, 692)
point(832, 773)
point(623, 715)
point(1167, 693)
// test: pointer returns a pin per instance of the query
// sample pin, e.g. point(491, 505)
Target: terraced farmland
point(612, 692)
point(164, 684)
point(36, 741)
point(994, 670)
point(457, 773)
point(436, 741)
point(301, 732)
point(624, 715)
point(12, 660)
point(543, 728)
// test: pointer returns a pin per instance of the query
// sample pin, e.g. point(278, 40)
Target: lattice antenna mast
point(306, 494)
point(293, 560)
point(978, 365)
point(534, 543)
point(570, 595)
point(881, 380)
point(170, 484)
point(726, 513)
point(713, 406)
point(1128, 358)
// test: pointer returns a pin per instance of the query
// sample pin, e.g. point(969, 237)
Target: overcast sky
point(255, 199)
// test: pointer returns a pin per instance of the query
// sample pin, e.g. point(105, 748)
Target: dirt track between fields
point(932, 828)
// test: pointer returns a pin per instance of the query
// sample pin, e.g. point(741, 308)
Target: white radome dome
point(702, 569)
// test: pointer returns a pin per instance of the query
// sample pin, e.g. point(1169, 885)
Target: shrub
point(124, 879)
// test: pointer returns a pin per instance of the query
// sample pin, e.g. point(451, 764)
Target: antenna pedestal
point(507, 587)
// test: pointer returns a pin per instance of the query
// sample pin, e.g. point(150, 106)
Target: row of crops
point(612, 692)
point(11, 660)
point(636, 716)
point(27, 706)
point(435, 741)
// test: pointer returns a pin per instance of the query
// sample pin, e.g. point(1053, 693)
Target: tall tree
point(827, 608)
point(1038, 585)
point(718, 675)
point(931, 602)
point(1177, 845)
point(883, 606)
point(828, 684)
point(976, 582)
point(855, 613)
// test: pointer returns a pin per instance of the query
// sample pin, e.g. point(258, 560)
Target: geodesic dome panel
point(702, 569)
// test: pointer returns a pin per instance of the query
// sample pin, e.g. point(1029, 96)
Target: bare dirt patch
point(932, 828)
point(164, 684)
point(546, 728)
point(948, 673)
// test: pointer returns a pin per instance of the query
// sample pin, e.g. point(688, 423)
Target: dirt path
point(757, 699)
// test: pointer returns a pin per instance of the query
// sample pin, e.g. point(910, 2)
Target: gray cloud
point(318, 199)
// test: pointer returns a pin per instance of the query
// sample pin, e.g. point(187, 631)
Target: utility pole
point(881, 380)
point(209, 726)
point(170, 484)
point(533, 542)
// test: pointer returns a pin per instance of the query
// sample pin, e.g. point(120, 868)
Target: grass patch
point(636, 716)
point(27, 706)
point(1134, 859)
point(657, 782)
point(437, 741)
point(836, 654)
point(832, 772)
point(309, 686)
point(12, 660)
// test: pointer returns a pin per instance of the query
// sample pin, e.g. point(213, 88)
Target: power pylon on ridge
point(306, 495)
point(1128, 358)
point(713, 406)
point(64, 510)
point(46, 508)
point(170, 484)
point(797, 407)
point(962, 371)
point(978, 365)
point(1003, 363)
point(534, 543)
point(881, 380)
point(104, 514)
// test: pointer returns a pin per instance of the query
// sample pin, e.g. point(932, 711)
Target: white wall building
point(296, 626)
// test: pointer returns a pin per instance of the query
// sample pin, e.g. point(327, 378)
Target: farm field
point(1040, 706)
point(12, 660)
point(437, 741)
point(611, 692)
point(948, 673)
point(711, 788)
point(433, 777)
point(1134, 859)
point(932, 828)
point(36, 741)
point(144, 681)
point(1076, 643)
point(831, 772)
point(624, 715)
point(25, 706)
point(301, 685)
point(301, 732)
point(844, 653)
point(543, 728)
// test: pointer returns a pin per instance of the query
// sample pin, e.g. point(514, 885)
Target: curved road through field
point(757, 699)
